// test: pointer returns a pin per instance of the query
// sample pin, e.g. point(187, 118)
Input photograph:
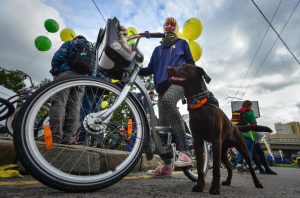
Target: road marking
point(18, 183)
point(35, 182)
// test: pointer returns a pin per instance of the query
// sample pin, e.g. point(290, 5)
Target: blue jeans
point(250, 147)
point(90, 103)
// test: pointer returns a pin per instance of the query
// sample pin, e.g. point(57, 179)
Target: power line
point(99, 11)
point(276, 32)
point(257, 50)
point(261, 65)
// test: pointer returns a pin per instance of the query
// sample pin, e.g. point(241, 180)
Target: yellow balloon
point(196, 50)
point(67, 34)
point(192, 28)
point(104, 104)
point(180, 35)
point(131, 31)
point(114, 80)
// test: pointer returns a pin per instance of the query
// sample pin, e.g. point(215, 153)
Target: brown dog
point(208, 122)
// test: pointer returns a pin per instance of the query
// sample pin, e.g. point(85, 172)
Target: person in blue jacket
point(172, 52)
point(65, 112)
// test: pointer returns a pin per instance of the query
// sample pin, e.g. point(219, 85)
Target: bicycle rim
point(192, 172)
point(77, 166)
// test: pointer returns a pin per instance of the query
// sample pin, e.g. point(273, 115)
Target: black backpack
point(239, 118)
point(82, 57)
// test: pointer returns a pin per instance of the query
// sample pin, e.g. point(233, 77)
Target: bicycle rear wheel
point(6, 109)
point(192, 172)
point(76, 166)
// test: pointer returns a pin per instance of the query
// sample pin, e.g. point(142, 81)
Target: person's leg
point(257, 160)
point(85, 109)
point(169, 115)
point(57, 114)
point(57, 110)
point(263, 159)
point(72, 116)
point(240, 158)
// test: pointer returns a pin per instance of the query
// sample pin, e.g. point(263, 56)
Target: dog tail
point(257, 128)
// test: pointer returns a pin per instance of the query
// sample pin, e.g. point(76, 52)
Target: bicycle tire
point(6, 109)
point(192, 172)
point(34, 158)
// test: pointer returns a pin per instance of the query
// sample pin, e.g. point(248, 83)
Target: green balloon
point(51, 25)
point(42, 43)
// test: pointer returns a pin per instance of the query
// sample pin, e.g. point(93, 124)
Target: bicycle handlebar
point(153, 35)
point(147, 35)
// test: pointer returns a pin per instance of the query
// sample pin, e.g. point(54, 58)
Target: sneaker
point(270, 172)
point(261, 170)
point(183, 160)
point(161, 170)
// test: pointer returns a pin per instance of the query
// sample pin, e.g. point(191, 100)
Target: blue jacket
point(59, 61)
point(164, 57)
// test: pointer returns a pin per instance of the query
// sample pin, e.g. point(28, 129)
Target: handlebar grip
point(157, 35)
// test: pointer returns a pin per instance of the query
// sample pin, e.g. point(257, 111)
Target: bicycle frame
point(134, 79)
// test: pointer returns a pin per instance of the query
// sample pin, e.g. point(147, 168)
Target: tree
point(42, 83)
point(12, 80)
point(148, 81)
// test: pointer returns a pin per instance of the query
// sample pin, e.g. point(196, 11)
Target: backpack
point(82, 57)
point(239, 118)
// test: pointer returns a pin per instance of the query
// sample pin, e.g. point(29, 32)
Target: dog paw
point(226, 183)
point(198, 188)
point(258, 185)
point(214, 191)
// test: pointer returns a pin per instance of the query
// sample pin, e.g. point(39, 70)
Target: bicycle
point(78, 167)
point(12, 105)
point(6, 109)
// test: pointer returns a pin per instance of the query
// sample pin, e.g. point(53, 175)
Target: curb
point(8, 156)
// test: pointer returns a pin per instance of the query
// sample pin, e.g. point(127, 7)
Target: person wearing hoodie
point(64, 113)
point(249, 136)
point(172, 52)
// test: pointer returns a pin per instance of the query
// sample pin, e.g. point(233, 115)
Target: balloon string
point(29, 62)
point(57, 43)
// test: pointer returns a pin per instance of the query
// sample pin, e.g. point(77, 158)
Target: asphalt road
point(285, 184)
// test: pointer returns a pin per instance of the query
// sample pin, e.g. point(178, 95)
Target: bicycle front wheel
point(80, 165)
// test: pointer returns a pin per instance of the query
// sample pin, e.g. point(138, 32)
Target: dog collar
point(197, 104)
point(198, 97)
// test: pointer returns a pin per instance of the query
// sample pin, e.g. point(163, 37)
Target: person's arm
point(188, 55)
point(148, 70)
point(61, 55)
point(251, 118)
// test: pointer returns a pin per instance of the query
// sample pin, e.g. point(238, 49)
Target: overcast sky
point(233, 30)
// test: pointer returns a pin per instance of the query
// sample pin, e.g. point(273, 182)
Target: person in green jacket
point(249, 136)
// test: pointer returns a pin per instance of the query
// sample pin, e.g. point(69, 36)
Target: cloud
point(20, 24)
point(232, 33)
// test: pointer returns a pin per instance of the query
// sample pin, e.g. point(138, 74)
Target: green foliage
point(11, 80)
point(148, 81)
point(42, 83)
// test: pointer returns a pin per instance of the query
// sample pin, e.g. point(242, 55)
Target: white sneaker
point(183, 160)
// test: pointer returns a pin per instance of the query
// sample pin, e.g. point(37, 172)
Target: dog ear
point(206, 78)
point(204, 75)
